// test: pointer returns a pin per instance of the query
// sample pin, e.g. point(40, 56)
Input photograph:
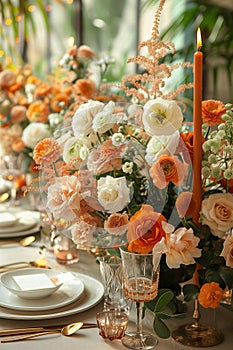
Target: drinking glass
point(111, 273)
point(140, 281)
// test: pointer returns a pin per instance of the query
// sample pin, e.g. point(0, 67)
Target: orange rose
point(145, 230)
point(167, 169)
point(38, 111)
point(210, 295)
point(212, 112)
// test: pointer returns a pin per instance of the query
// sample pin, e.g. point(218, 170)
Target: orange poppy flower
point(210, 295)
point(167, 169)
point(212, 111)
point(38, 111)
point(145, 230)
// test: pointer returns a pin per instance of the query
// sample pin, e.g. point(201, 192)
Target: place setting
point(37, 294)
point(18, 223)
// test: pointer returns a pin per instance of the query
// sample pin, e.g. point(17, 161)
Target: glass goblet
point(140, 281)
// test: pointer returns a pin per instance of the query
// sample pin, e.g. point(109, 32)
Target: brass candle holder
point(197, 335)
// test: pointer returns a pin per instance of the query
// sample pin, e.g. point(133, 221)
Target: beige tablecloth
point(90, 339)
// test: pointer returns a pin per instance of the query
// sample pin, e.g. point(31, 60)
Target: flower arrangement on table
point(31, 108)
point(122, 173)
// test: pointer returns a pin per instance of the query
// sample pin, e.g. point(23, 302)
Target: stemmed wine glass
point(140, 281)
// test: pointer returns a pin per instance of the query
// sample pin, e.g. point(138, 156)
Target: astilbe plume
point(150, 84)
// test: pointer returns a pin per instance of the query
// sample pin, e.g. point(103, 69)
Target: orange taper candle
point(197, 120)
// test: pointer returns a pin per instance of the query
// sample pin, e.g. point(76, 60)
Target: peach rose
point(64, 198)
point(227, 251)
point(210, 295)
point(85, 87)
point(212, 112)
point(117, 223)
point(167, 169)
point(217, 213)
point(145, 230)
point(179, 246)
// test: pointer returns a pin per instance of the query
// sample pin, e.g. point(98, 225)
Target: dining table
point(86, 339)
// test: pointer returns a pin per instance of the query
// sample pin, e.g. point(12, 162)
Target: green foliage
point(163, 307)
point(190, 291)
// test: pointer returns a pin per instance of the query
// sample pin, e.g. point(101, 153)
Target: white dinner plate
point(7, 219)
point(92, 294)
point(30, 225)
point(66, 294)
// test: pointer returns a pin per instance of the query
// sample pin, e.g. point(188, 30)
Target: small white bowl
point(8, 281)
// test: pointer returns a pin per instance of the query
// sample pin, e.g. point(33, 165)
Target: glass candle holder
point(112, 324)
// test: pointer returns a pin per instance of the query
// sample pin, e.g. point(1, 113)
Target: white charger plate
point(7, 219)
point(92, 294)
point(30, 225)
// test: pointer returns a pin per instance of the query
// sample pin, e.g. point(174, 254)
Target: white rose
point(113, 193)
point(159, 145)
point(34, 133)
point(161, 117)
point(217, 213)
point(104, 120)
point(75, 148)
point(83, 117)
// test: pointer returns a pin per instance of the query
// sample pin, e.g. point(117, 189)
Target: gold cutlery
point(22, 264)
point(14, 331)
point(66, 330)
point(26, 241)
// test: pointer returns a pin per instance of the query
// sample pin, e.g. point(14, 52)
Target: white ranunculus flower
point(161, 117)
point(104, 120)
point(159, 145)
point(113, 193)
point(54, 119)
point(83, 117)
point(75, 148)
point(34, 133)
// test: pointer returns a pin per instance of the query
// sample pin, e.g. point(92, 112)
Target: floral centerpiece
point(121, 173)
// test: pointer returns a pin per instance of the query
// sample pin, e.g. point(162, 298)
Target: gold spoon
point(4, 196)
point(26, 241)
point(67, 330)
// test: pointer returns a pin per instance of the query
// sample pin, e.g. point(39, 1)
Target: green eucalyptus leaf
point(163, 300)
point(161, 328)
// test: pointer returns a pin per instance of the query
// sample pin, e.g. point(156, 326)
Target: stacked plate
point(74, 295)
point(19, 223)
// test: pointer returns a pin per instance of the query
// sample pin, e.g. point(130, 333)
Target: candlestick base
point(197, 335)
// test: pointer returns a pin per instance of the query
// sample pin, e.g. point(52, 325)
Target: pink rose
point(227, 251)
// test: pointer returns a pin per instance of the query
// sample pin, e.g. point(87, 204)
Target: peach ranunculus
point(227, 251)
point(217, 213)
point(167, 169)
point(179, 246)
point(210, 295)
point(38, 111)
point(145, 230)
point(18, 145)
point(43, 89)
point(86, 52)
point(212, 111)
point(63, 198)
point(99, 164)
point(85, 87)
point(18, 114)
point(185, 204)
point(117, 223)
point(47, 151)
